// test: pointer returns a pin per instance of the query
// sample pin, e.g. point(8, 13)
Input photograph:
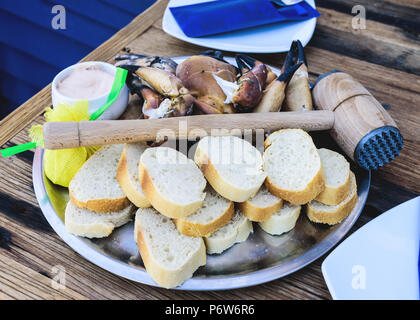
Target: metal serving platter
point(261, 258)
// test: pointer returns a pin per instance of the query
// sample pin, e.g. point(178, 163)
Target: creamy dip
point(86, 82)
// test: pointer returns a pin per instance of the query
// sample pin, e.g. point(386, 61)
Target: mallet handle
point(64, 135)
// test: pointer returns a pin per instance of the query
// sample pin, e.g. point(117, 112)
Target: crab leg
point(152, 100)
point(246, 63)
point(137, 60)
point(162, 81)
point(298, 94)
point(155, 106)
point(182, 105)
point(208, 105)
point(251, 85)
point(214, 54)
point(274, 94)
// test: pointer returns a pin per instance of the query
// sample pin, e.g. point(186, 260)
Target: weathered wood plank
point(393, 13)
point(30, 246)
point(406, 3)
point(379, 43)
point(20, 282)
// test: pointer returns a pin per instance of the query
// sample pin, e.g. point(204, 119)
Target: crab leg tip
point(287, 74)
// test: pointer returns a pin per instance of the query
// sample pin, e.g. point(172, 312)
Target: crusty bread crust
point(259, 214)
point(165, 207)
point(193, 229)
point(313, 188)
point(216, 246)
point(94, 230)
point(218, 182)
point(299, 196)
point(100, 230)
point(130, 191)
point(163, 277)
point(101, 205)
point(278, 225)
point(339, 215)
point(333, 196)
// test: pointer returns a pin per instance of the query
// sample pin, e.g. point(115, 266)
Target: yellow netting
point(60, 166)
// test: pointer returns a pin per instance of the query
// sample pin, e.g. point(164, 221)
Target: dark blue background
point(32, 52)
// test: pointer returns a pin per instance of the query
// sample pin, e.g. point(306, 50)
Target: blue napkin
point(208, 18)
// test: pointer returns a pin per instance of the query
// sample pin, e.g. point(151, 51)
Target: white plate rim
point(214, 44)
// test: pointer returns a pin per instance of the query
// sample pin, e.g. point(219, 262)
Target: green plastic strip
point(17, 149)
point(117, 85)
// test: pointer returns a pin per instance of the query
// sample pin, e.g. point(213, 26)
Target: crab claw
point(150, 97)
point(152, 100)
point(218, 55)
point(199, 74)
point(246, 63)
point(208, 105)
point(134, 83)
point(132, 62)
point(214, 54)
point(251, 86)
point(298, 94)
point(162, 81)
point(274, 94)
point(182, 105)
point(294, 56)
point(155, 107)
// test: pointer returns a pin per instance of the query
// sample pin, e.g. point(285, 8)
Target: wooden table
point(385, 57)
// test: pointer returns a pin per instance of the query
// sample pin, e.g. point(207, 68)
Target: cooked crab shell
point(134, 61)
point(162, 81)
point(197, 75)
point(298, 93)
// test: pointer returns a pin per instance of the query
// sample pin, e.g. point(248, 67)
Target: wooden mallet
point(356, 120)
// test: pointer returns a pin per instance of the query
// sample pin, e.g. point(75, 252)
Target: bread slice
point(95, 186)
point(322, 213)
point(128, 174)
point(170, 258)
point(337, 177)
point(214, 213)
point(231, 165)
point(237, 230)
point(293, 166)
point(91, 224)
point(173, 183)
point(283, 220)
point(261, 206)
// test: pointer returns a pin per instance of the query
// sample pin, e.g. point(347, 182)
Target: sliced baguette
point(261, 206)
point(337, 177)
point(90, 224)
point(170, 258)
point(293, 166)
point(95, 186)
point(172, 183)
point(283, 220)
point(214, 213)
point(322, 213)
point(231, 165)
point(237, 230)
point(128, 174)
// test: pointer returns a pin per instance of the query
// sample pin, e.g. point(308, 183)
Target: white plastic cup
point(114, 111)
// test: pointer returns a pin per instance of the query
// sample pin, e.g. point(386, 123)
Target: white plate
point(380, 260)
point(264, 39)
